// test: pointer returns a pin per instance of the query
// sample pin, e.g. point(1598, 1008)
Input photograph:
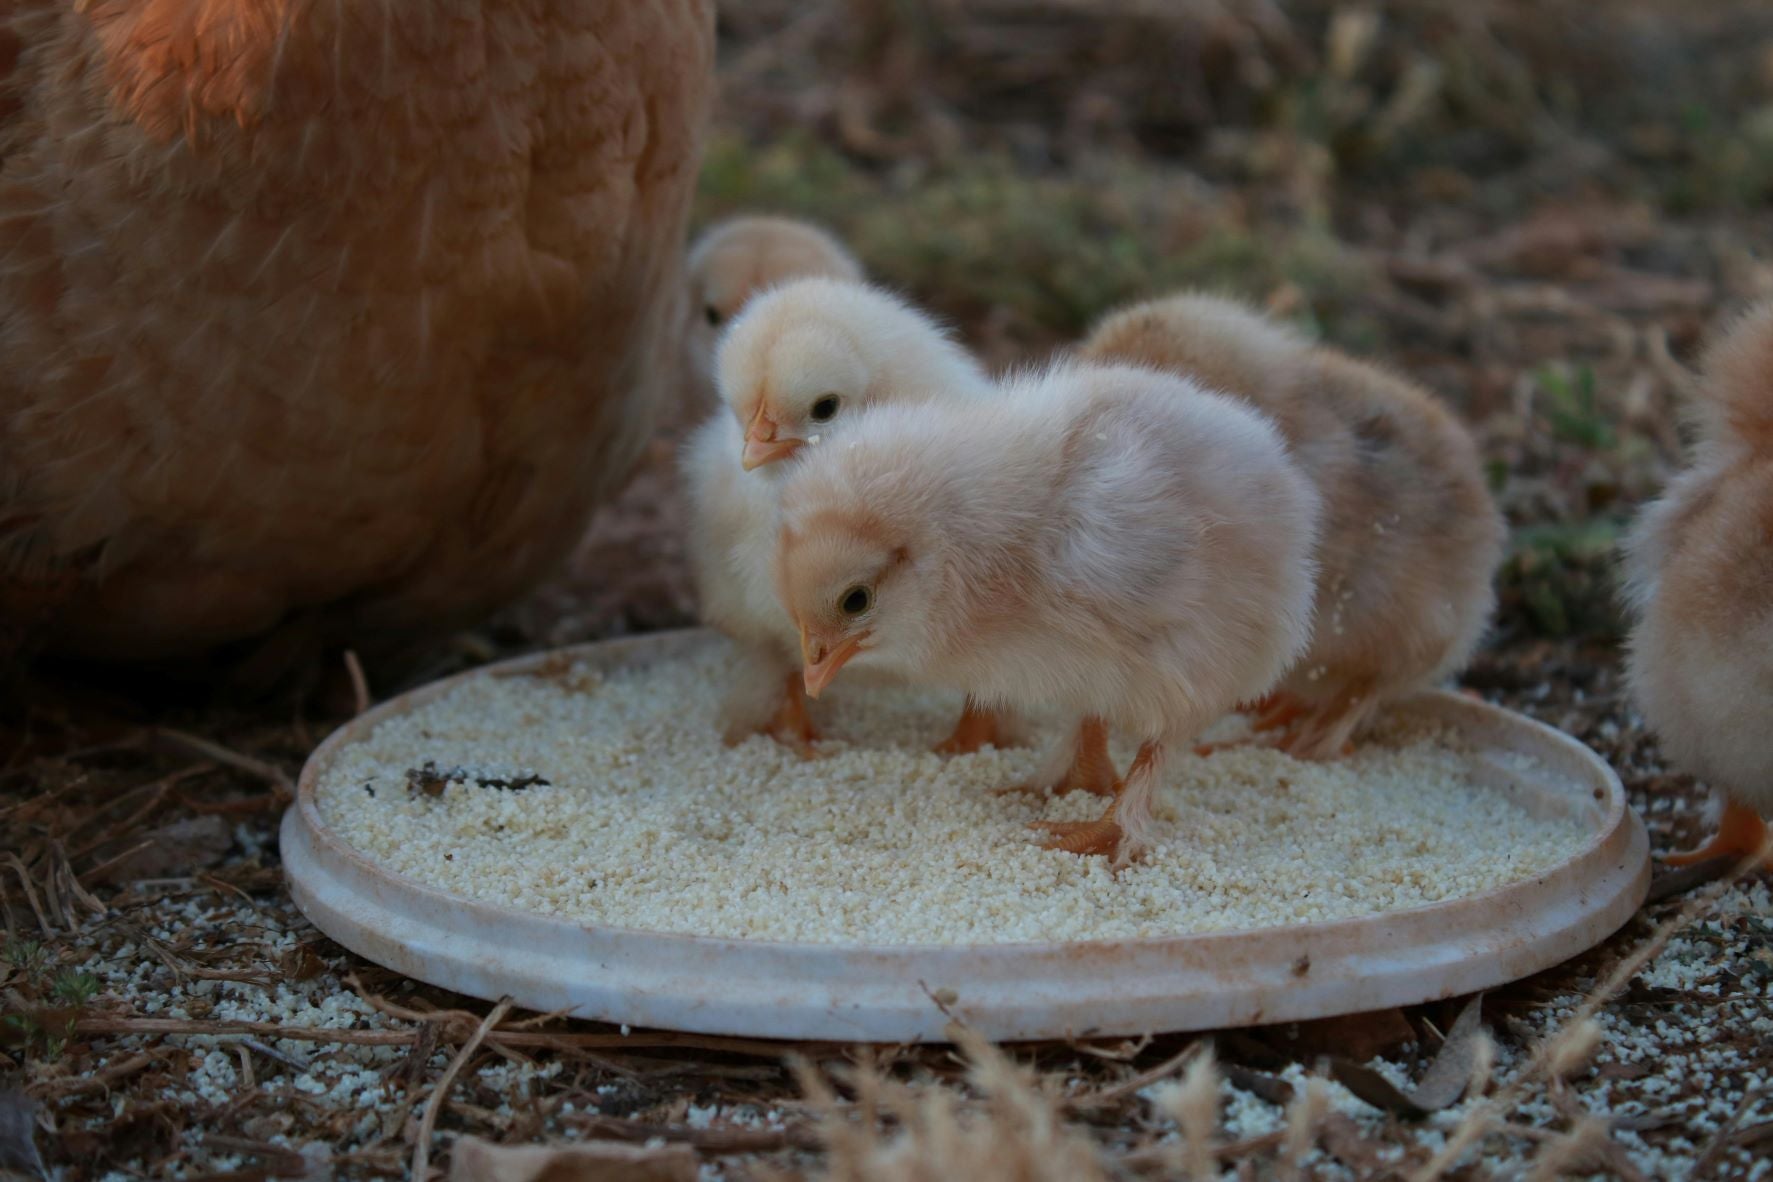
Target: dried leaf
point(18, 1142)
point(1447, 1077)
point(181, 847)
point(301, 963)
point(1372, 1087)
point(1442, 1084)
point(1266, 1087)
point(474, 1160)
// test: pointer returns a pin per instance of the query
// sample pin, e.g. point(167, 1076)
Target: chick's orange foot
point(1274, 720)
point(1325, 730)
point(1102, 836)
point(1091, 769)
point(976, 728)
point(1276, 712)
point(1741, 834)
point(790, 725)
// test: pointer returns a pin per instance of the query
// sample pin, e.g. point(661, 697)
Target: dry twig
point(421, 1153)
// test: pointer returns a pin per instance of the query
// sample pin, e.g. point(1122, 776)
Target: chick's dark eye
point(825, 408)
point(855, 601)
point(713, 315)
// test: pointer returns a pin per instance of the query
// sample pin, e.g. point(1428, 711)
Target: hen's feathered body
point(344, 312)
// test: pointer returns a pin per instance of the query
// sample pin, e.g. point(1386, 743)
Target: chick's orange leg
point(1271, 712)
point(1741, 834)
point(1121, 831)
point(1276, 711)
point(1091, 768)
point(791, 725)
point(1327, 731)
point(976, 728)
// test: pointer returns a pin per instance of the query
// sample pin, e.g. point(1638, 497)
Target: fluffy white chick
point(1699, 566)
point(733, 260)
point(1410, 537)
point(1109, 541)
point(794, 369)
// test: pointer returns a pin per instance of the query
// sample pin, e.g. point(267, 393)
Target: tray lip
point(1613, 827)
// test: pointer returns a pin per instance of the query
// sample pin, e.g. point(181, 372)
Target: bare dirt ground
point(1537, 208)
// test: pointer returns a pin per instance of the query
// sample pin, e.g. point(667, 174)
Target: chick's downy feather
point(733, 260)
point(1699, 566)
point(1111, 541)
point(832, 337)
point(728, 263)
point(344, 311)
point(1410, 537)
point(1104, 539)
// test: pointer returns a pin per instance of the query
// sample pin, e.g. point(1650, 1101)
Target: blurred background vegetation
point(1536, 207)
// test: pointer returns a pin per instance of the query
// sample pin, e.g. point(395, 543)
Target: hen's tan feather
point(348, 308)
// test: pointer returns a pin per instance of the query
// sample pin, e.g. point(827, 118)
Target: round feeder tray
point(883, 993)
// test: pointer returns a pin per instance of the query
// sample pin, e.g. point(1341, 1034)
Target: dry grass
point(1537, 207)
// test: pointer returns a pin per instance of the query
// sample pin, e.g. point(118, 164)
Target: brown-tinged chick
point(1699, 566)
point(1410, 537)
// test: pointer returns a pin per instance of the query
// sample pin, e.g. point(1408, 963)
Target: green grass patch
point(1054, 251)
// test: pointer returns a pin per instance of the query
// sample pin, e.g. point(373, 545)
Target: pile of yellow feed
point(643, 819)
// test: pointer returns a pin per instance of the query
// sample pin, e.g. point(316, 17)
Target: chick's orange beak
point(822, 663)
point(761, 445)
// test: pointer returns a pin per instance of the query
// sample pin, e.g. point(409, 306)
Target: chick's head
point(735, 259)
point(854, 589)
point(804, 358)
point(791, 385)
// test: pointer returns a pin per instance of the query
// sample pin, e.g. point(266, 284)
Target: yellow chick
point(804, 358)
point(1111, 542)
point(1699, 567)
point(1410, 537)
point(732, 261)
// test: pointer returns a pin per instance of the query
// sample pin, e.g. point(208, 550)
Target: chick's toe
point(1741, 834)
point(1101, 836)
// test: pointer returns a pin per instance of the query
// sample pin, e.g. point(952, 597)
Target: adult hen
point(1699, 566)
point(327, 321)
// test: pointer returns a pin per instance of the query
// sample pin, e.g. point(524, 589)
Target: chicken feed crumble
point(609, 798)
